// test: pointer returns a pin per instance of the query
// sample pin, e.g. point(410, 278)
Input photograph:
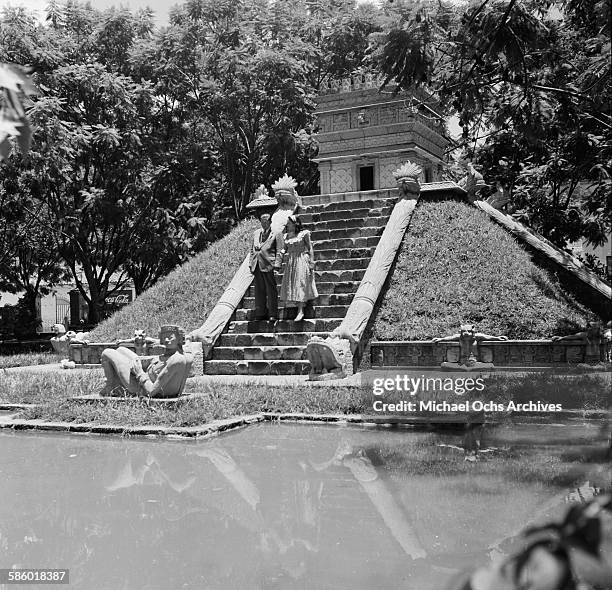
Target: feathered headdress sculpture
point(407, 171)
point(285, 184)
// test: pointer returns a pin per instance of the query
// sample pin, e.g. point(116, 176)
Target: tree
point(92, 169)
point(535, 87)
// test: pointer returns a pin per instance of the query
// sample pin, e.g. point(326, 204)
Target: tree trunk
point(95, 307)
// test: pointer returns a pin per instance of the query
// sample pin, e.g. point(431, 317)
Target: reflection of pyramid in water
point(150, 473)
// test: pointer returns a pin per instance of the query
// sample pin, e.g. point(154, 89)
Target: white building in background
point(65, 305)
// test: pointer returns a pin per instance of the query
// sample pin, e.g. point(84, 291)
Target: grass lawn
point(52, 390)
point(28, 359)
point(457, 266)
point(187, 295)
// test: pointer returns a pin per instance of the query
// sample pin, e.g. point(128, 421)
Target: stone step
point(260, 353)
point(336, 287)
point(306, 325)
point(337, 234)
point(349, 223)
point(342, 264)
point(343, 243)
point(337, 264)
point(344, 253)
point(216, 367)
point(331, 276)
point(352, 199)
point(317, 311)
point(267, 339)
point(322, 299)
point(355, 213)
point(326, 276)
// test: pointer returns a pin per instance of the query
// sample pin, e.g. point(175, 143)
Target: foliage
point(455, 266)
point(531, 81)
point(93, 170)
point(187, 295)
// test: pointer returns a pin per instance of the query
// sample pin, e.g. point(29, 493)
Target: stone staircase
point(345, 235)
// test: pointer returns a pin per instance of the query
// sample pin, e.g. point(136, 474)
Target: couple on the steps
point(298, 286)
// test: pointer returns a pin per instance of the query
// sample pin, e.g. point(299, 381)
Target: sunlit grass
point(28, 359)
point(456, 266)
point(53, 390)
point(187, 295)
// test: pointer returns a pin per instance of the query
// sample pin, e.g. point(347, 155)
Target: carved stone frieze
point(510, 353)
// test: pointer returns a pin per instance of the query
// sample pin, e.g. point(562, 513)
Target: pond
point(281, 506)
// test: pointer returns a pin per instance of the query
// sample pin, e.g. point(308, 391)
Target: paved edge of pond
point(219, 426)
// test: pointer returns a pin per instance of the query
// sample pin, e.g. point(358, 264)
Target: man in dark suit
point(266, 256)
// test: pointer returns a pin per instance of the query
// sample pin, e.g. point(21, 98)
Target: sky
point(160, 7)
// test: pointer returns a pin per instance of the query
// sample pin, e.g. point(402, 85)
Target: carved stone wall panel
point(387, 114)
point(574, 354)
point(529, 354)
point(486, 354)
point(341, 121)
point(558, 354)
point(543, 355)
point(427, 355)
point(325, 123)
point(452, 354)
point(388, 165)
point(341, 179)
point(513, 353)
point(410, 356)
point(439, 354)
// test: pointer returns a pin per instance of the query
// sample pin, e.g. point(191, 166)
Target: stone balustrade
point(90, 353)
point(508, 353)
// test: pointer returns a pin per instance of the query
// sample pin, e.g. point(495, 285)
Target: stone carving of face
point(139, 335)
point(171, 339)
point(467, 331)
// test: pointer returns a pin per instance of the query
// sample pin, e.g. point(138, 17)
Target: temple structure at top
point(364, 135)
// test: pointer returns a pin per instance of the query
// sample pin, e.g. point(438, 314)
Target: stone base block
point(327, 376)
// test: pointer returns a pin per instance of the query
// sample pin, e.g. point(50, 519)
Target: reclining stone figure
point(330, 358)
point(468, 340)
point(593, 338)
point(127, 373)
point(142, 343)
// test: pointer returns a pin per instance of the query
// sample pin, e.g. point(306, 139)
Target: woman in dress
point(298, 285)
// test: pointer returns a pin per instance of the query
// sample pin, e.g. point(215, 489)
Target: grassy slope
point(187, 295)
point(455, 265)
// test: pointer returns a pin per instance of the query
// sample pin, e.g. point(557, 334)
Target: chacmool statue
point(142, 343)
point(593, 337)
point(159, 376)
point(62, 339)
point(468, 340)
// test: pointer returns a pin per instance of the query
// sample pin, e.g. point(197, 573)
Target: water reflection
point(269, 507)
point(356, 460)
